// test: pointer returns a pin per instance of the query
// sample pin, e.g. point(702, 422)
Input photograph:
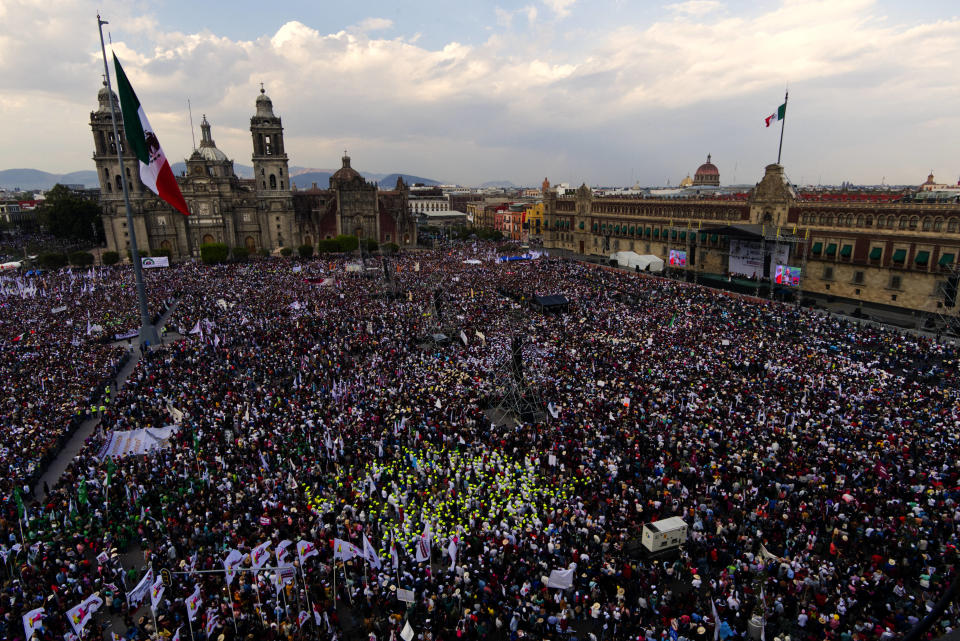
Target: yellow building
point(533, 218)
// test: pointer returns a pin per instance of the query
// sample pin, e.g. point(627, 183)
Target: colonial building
point(355, 207)
point(258, 213)
point(888, 249)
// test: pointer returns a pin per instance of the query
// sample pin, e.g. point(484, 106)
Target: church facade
point(262, 213)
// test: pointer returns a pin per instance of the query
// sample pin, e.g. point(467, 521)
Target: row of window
point(903, 222)
point(898, 256)
point(706, 213)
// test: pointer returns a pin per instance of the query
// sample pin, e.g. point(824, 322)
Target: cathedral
point(265, 212)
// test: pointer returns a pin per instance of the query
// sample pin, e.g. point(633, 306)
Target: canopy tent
point(551, 303)
point(633, 260)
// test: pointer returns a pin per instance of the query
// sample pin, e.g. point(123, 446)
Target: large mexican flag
point(155, 171)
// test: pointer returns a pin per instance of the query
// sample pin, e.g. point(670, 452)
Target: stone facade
point(894, 253)
point(259, 213)
point(354, 207)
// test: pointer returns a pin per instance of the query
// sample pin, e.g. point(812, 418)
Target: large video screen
point(678, 258)
point(787, 275)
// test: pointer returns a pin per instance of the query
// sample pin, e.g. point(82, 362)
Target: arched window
point(869, 221)
point(903, 222)
point(938, 224)
point(119, 182)
point(273, 181)
point(927, 223)
point(207, 239)
point(849, 220)
point(860, 220)
point(914, 221)
point(952, 225)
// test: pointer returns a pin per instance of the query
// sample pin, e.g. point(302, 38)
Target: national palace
point(895, 249)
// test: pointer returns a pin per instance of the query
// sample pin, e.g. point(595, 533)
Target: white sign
point(746, 257)
point(405, 595)
point(134, 442)
point(150, 262)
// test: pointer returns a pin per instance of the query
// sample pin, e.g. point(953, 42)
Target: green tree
point(52, 260)
point(347, 243)
point(163, 251)
point(306, 251)
point(212, 253)
point(286, 252)
point(329, 246)
point(68, 216)
point(81, 258)
point(110, 258)
point(240, 254)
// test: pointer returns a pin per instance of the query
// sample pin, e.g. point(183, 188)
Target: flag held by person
point(80, 614)
point(230, 564)
point(156, 593)
point(155, 171)
point(33, 621)
point(344, 550)
point(370, 554)
point(193, 603)
point(305, 549)
point(259, 556)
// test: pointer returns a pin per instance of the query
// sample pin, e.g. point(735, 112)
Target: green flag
point(82, 492)
point(18, 499)
point(111, 468)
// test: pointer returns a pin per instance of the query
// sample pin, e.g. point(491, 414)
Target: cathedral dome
point(686, 182)
point(707, 174)
point(346, 173)
point(208, 148)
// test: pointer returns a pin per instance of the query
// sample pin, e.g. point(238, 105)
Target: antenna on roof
point(193, 136)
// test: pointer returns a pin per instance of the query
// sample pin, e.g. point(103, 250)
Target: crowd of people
point(333, 473)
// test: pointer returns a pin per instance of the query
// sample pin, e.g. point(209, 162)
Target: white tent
point(633, 260)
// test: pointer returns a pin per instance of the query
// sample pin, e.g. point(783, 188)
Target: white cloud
point(560, 7)
point(576, 105)
point(695, 7)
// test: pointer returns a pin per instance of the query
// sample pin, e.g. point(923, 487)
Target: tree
point(66, 215)
point(306, 251)
point(163, 251)
point(52, 260)
point(347, 243)
point(329, 246)
point(286, 252)
point(110, 258)
point(240, 254)
point(213, 253)
point(81, 258)
point(391, 248)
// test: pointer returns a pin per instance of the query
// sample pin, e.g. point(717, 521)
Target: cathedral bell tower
point(272, 176)
point(109, 170)
point(269, 155)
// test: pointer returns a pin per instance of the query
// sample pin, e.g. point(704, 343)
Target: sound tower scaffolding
point(948, 316)
point(517, 397)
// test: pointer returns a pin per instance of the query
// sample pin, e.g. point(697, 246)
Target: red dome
point(707, 174)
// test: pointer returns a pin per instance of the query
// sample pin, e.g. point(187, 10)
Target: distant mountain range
point(27, 179)
point(506, 184)
point(303, 177)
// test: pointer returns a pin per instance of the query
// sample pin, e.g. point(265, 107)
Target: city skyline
point(602, 93)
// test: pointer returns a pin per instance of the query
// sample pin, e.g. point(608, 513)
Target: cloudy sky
point(603, 91)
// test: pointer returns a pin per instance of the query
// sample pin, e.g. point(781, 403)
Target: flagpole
point(147, 331)
point(783, 123)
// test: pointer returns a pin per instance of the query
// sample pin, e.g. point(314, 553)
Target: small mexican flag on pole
point(778, 115)
point(155, 171)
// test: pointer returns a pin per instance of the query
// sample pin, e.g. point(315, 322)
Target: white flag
point(156, 593)
point(370, 554)
point(234, 558)
point(212, 621)
point(716, 620)
point(423, 545)
point(193, 603)
point(407, 633)
point(452, 551)
point(259, 555)
point(33, 621)
point(345, 550)
point(394, 557)
point(561, 579)
point(139, 593)
point(281, 550)
point(305, 549)
point(80, 614)
point(463, 337)
point(196, 329)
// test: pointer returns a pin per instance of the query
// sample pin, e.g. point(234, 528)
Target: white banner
point(136, 442)
point(149, 262)
point(746, 257)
